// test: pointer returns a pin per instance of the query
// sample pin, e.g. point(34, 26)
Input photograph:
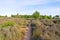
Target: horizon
point(23, 7)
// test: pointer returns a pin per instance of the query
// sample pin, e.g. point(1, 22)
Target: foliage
point(50, 17)
point(9, 30)
point(8, 23)
point(36, 14)
point(45, 17)
point(56, 17)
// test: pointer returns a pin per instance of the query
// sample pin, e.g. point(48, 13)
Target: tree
point(36, 14)
point(49, 17)
point(56, 17)
point(17, 15)
point(45, 17)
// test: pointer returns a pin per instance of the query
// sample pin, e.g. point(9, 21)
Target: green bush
point(36, 14)
point(8, 23)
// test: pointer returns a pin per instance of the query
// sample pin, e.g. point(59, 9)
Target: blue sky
point(45, 7)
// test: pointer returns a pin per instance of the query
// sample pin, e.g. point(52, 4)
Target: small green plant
point(8, 23)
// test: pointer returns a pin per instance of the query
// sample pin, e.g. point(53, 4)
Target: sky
point(23, 7)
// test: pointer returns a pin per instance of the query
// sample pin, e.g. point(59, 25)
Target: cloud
point(35, 2)
point(44, 11)
point(31, 2)
point(50, 11)
point(29, 6)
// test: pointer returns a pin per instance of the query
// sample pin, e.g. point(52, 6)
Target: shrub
point(8, 23)
point(36, 14)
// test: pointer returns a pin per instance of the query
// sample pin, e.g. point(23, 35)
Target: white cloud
point(21, 3)
point(34, 2)
point(50, 11)
point(44, 11)
point(14, 6)
point(31, 2)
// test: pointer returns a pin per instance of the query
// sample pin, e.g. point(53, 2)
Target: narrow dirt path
point(28, 34)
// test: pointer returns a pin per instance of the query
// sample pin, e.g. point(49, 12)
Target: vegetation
point(43, 27)
point(10, 30)
point(36, 15)
point(9, 23)
point(56, 17)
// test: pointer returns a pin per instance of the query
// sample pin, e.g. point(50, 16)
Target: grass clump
point(2, 37)
point(8, 23)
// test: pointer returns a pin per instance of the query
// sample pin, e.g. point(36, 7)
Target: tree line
point(35, 15)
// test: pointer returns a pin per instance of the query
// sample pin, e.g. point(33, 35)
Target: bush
point(36, 14)
point(8, 23)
